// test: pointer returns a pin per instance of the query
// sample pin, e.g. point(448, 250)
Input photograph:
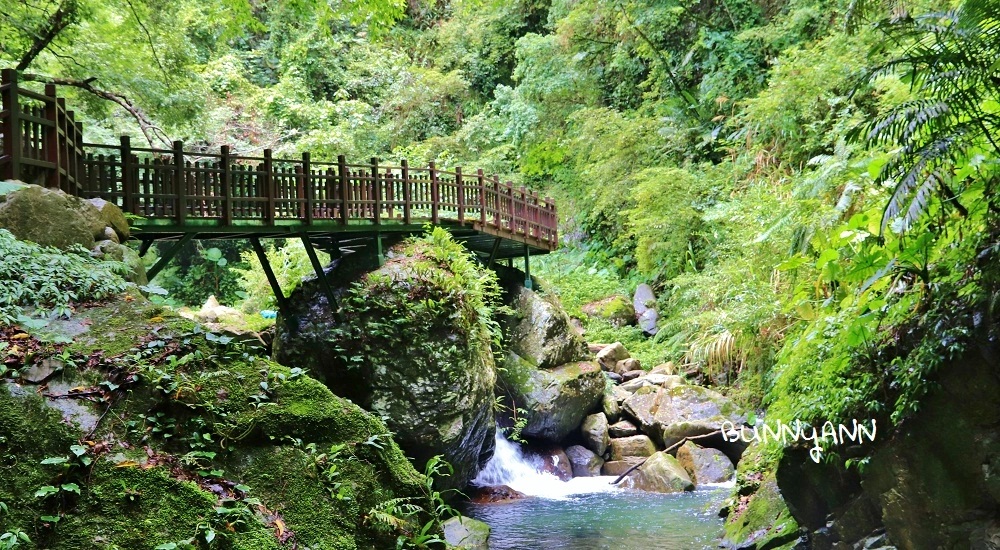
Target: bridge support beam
point(168, 255)
point(325, 284)
point(493, 253)
point(279, 296)
point(380, 254)
point(527, 268)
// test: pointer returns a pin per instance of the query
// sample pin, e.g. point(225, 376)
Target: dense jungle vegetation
point(809, 186)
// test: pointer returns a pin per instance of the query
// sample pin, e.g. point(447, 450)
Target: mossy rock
point(540, 332)
point(616, 309)
point(50, 217)
point(758, 516)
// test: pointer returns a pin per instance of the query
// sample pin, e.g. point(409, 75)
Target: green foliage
point(38, 281)
point(202, 269)
point(418, 520)
point(290, 264)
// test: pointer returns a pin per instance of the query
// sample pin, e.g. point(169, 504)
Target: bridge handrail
point(42, 142)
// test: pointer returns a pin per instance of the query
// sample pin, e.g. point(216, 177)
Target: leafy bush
point(44, 281)
point(290, 264)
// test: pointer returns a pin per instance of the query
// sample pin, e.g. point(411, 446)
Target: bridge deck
point(178, 193)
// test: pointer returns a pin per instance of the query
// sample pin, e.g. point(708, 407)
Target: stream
point(587, 513)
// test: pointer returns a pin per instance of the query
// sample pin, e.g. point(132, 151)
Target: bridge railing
point(39, 135)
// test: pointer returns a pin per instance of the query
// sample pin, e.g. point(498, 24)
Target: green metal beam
point(169, 255)
point(279, 295)
point(318, 267)
point(527, 268)
point(493, 253)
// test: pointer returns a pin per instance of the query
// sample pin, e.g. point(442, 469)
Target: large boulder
point(615, 309)
point(610, 355)
point(595, 433)
point(670, 414)
point(50, 217)
point(636, 445)
point(541, 333)
point(584, 462)
point(644, 302)
point(661, 473)
point(555, 400)
point(705, 465)
point(413, 345)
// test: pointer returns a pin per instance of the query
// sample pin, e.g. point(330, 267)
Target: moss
point(759, 518)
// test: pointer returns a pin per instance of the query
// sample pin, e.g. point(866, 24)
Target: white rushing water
point(510, 467)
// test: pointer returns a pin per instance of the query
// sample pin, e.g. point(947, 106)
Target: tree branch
point(59, 20)
point(151, 131)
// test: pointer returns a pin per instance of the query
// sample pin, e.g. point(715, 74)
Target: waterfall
point(510, 467)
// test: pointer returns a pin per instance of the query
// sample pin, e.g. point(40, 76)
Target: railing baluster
point(344, 180)
point(377, 193)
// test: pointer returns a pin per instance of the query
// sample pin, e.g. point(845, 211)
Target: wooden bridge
point(181, 194)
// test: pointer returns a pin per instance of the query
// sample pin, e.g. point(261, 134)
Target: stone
point(494, 494)
point(613, 376)
point(584, 462)
point(465, 533)
point(668, 368)
point(623, 428)
point(619, 395)
point(596, 348)
point(109, 235)
point(42, 371)
point(636, 445)
point(609, 356)
point(619, 467)
point(540, 331)
point(661, 473)
point(553, 461)
point(643, 299)
point(112, 217)
point(671, 414)
point(632, 375)
point(647, 322)
point(612, 410)
point(654, 380)
point(595, 433)
point(556, 399)
point(626, 365)
point(704, 464)
point(50, 217)
point(616, 309)
point(110, 250)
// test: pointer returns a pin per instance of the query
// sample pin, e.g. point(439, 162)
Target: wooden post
point(51, 145)
point(225, 164)
point(435, 194)
point(268, 185)
point(461, 194)
point(180, 182)
point(376, 189)
point(496, 201)
point(407, 192)
point(481, 181)
point(344, 194)
point(12, 146)
point(128, 182)
point(307, 182)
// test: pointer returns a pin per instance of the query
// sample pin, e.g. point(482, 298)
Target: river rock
point(647, 322)
point(50, 217)
point(494, 494)
point(552, 460)
point(540, 332)
point(653, 380)
point(556, 400)
point(595, 433)
point(636, 445)
point(614, 377)
point(623, 428)
point(612, 410)
point(584, 462)
point(626, 365)
point(632, 375)
point(619, 467)
point(670, 414)
point(668, 368)
point(464, 533)
point(609, 356)
point(661, 473)
point(705, 465)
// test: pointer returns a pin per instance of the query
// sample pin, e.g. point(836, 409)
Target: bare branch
point(59, 20)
